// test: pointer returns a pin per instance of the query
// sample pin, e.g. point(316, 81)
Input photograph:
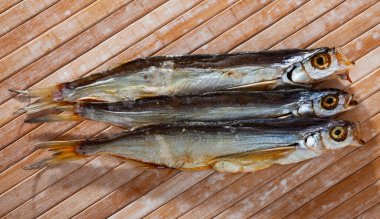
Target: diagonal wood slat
point(44, 42)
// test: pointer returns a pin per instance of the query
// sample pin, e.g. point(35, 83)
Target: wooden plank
point(364, 110)
point(244, 30)
point(35, 183)
point(371, 130)
point(236, 208)
point(22, 12)
point(77, 46)
point(66, 53)
point(174, 207)
point(156, 12)
point(24, 146)
point(354, 27)
point(6, 4)
point(200, 9)
point(368, 64)
point(108, 48)
point(104, 185)
point(41, 23)
point(125, 15)
point(48, 129)
point(16, 174)
point(195, 195)
point(64, 188)
point(360, 202)
point(286, 182)
point(143, 44)
point(250, 182)
point(281, 184)
point(215, 27)
point(371, 40)
point(116, 57)
point(205, 207)
point(92, 127)
point(340, 19)
point(340, 192)
point(361, 90)
point(171, 188)
point(14, 158)
point(153, 44)
point(10, 64)
point(211, 201)
point(368, 131)
point(287, 25)
point(124, 194)
point(373, 212)
point(320, 183)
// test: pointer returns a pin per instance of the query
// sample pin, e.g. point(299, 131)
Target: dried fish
point(195, 74)
point(234, 146)
point(224, 105)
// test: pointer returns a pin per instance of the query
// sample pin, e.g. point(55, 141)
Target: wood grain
point(359, 203)
point(22, 12)
point(50, 17)
point(372, 212)
point(84, 37)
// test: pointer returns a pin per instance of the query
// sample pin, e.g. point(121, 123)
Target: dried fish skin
point(234, 146)
point(195, 74)
point(223, 105)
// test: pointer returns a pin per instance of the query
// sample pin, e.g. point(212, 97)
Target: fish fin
point(44, 93)
point(250, 161)
point(63, 151)
point(54, 118)
point(285, 116)
point(264, 85)
point(140, 164)
point(91, 100)
point(23, 92)
point(48, 112)
point(40, 106)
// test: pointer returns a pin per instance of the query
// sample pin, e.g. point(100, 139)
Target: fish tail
point(48, 112)
point(43, 93)
point(40, 106)
point(54, 118)
point(63, 151)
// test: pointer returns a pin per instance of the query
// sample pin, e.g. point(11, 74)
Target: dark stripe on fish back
point(230, 98)
point(287, 126)
point(218, 61)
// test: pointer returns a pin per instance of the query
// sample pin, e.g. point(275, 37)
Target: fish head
point(322, 64)
point(326, 103)
point(335, 135)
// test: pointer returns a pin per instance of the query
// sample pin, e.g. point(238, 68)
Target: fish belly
point(155, 81)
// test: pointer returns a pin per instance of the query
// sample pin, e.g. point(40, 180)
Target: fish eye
point(338, 133)
point(321, 60)
point(329, 102)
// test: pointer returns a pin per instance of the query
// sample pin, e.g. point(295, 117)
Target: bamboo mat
point(43, 42)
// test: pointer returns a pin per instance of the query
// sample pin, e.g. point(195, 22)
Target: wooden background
point(43, 42)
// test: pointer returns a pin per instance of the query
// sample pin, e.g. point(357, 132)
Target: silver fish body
point(230, 105)
point(234, 146)
point(196, 74)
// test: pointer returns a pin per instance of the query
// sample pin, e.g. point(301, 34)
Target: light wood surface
point(43, 42)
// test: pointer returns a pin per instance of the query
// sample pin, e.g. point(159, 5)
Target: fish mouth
point(350, 102)
point(342, 59)
point(356, 131)
point(344, 75)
